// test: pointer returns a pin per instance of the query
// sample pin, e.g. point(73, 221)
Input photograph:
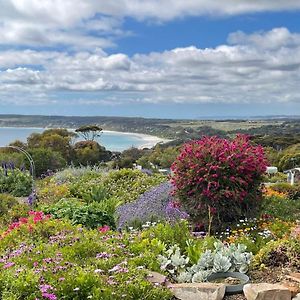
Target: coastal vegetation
point(92, 226)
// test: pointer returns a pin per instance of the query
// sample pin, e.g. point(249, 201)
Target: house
point(293, 175)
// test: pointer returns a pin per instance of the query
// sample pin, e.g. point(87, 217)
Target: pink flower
point(104, 229)
point(49, 296)
point(8, 265)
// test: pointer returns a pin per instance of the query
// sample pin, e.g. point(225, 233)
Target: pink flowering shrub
point(217, 180)
point(34, 218)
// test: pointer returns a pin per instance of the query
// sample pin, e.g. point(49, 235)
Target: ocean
point(111, 140)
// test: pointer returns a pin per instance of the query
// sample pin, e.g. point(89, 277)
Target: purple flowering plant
point(155, 205)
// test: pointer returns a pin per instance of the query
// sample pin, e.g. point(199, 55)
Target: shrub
point(283, 253)
point(156, 204)
point(90, 153)
point(283, 208)
point(126, 185)
point(72, 174)
point(219, 178)
point(89, 215)
point(289, 161)
point(45, 159)
point(292, 191)
point(6, 203)
point(278, 177)
point(48, 192)
point(14, 181)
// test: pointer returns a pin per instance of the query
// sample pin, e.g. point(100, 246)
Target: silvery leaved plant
point(224, 258)
point(201, 276)
point(173, 262)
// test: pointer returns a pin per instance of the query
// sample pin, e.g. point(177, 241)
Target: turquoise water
point(114, 141)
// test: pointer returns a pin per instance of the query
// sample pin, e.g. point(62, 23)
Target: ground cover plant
point(155, 205)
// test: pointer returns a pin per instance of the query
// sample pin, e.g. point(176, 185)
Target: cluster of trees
point(284, 159)
point(160, 156)
point(56, 148)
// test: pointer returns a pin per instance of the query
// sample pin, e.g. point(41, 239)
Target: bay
point(111, 140)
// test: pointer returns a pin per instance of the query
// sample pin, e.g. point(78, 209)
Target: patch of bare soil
point(269, 275)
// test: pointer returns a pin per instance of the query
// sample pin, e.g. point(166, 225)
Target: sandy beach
point(9, 134)
point(149, 141)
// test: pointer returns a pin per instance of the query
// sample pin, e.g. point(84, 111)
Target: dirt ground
point(274, 275)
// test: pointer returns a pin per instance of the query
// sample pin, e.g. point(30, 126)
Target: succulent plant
point(223, 259)
point(221, 263)
point(201, 276)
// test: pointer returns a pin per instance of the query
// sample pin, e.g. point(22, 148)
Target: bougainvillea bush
point(218, 180)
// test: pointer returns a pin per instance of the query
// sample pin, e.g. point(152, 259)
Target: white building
point(293, 175)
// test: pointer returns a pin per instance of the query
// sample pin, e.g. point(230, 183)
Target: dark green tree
point(89, 132)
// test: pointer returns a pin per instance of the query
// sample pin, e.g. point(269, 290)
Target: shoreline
point(148, 140)
point(151, 140)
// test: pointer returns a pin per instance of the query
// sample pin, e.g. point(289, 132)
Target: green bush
point(126, 185)
point(90, 153)
point(45, 159)
point(289, 161)
point(280, 253)
point(284, 208)
point(12, 156)
point(11, 210)
point(15, 182)
point(73, 174)
point(276, 178)
point(90, 215)
point(6, 203)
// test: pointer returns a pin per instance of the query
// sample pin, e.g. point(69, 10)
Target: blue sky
point(170, 59)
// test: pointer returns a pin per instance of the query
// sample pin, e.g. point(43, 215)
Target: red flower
point(104, 229)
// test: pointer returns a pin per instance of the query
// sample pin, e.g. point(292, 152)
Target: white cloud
point(261, 67)
point(273, 39)
point(97, 23)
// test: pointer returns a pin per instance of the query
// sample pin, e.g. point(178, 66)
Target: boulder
point(198, 291)
point(294, 287)
point(266, 291)
point(297, 297)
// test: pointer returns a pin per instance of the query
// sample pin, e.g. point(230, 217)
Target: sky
point(150, 58)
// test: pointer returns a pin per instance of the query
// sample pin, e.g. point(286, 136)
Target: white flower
point(98, 271)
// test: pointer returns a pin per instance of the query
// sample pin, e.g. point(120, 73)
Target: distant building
point(293, 175)
point(271, 170)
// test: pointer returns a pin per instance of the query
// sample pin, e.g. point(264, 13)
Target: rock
point(156, 278)
point(293, 287)
point(297, 297)
point(266, 291)
point(198, 291)
point(294, 276)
